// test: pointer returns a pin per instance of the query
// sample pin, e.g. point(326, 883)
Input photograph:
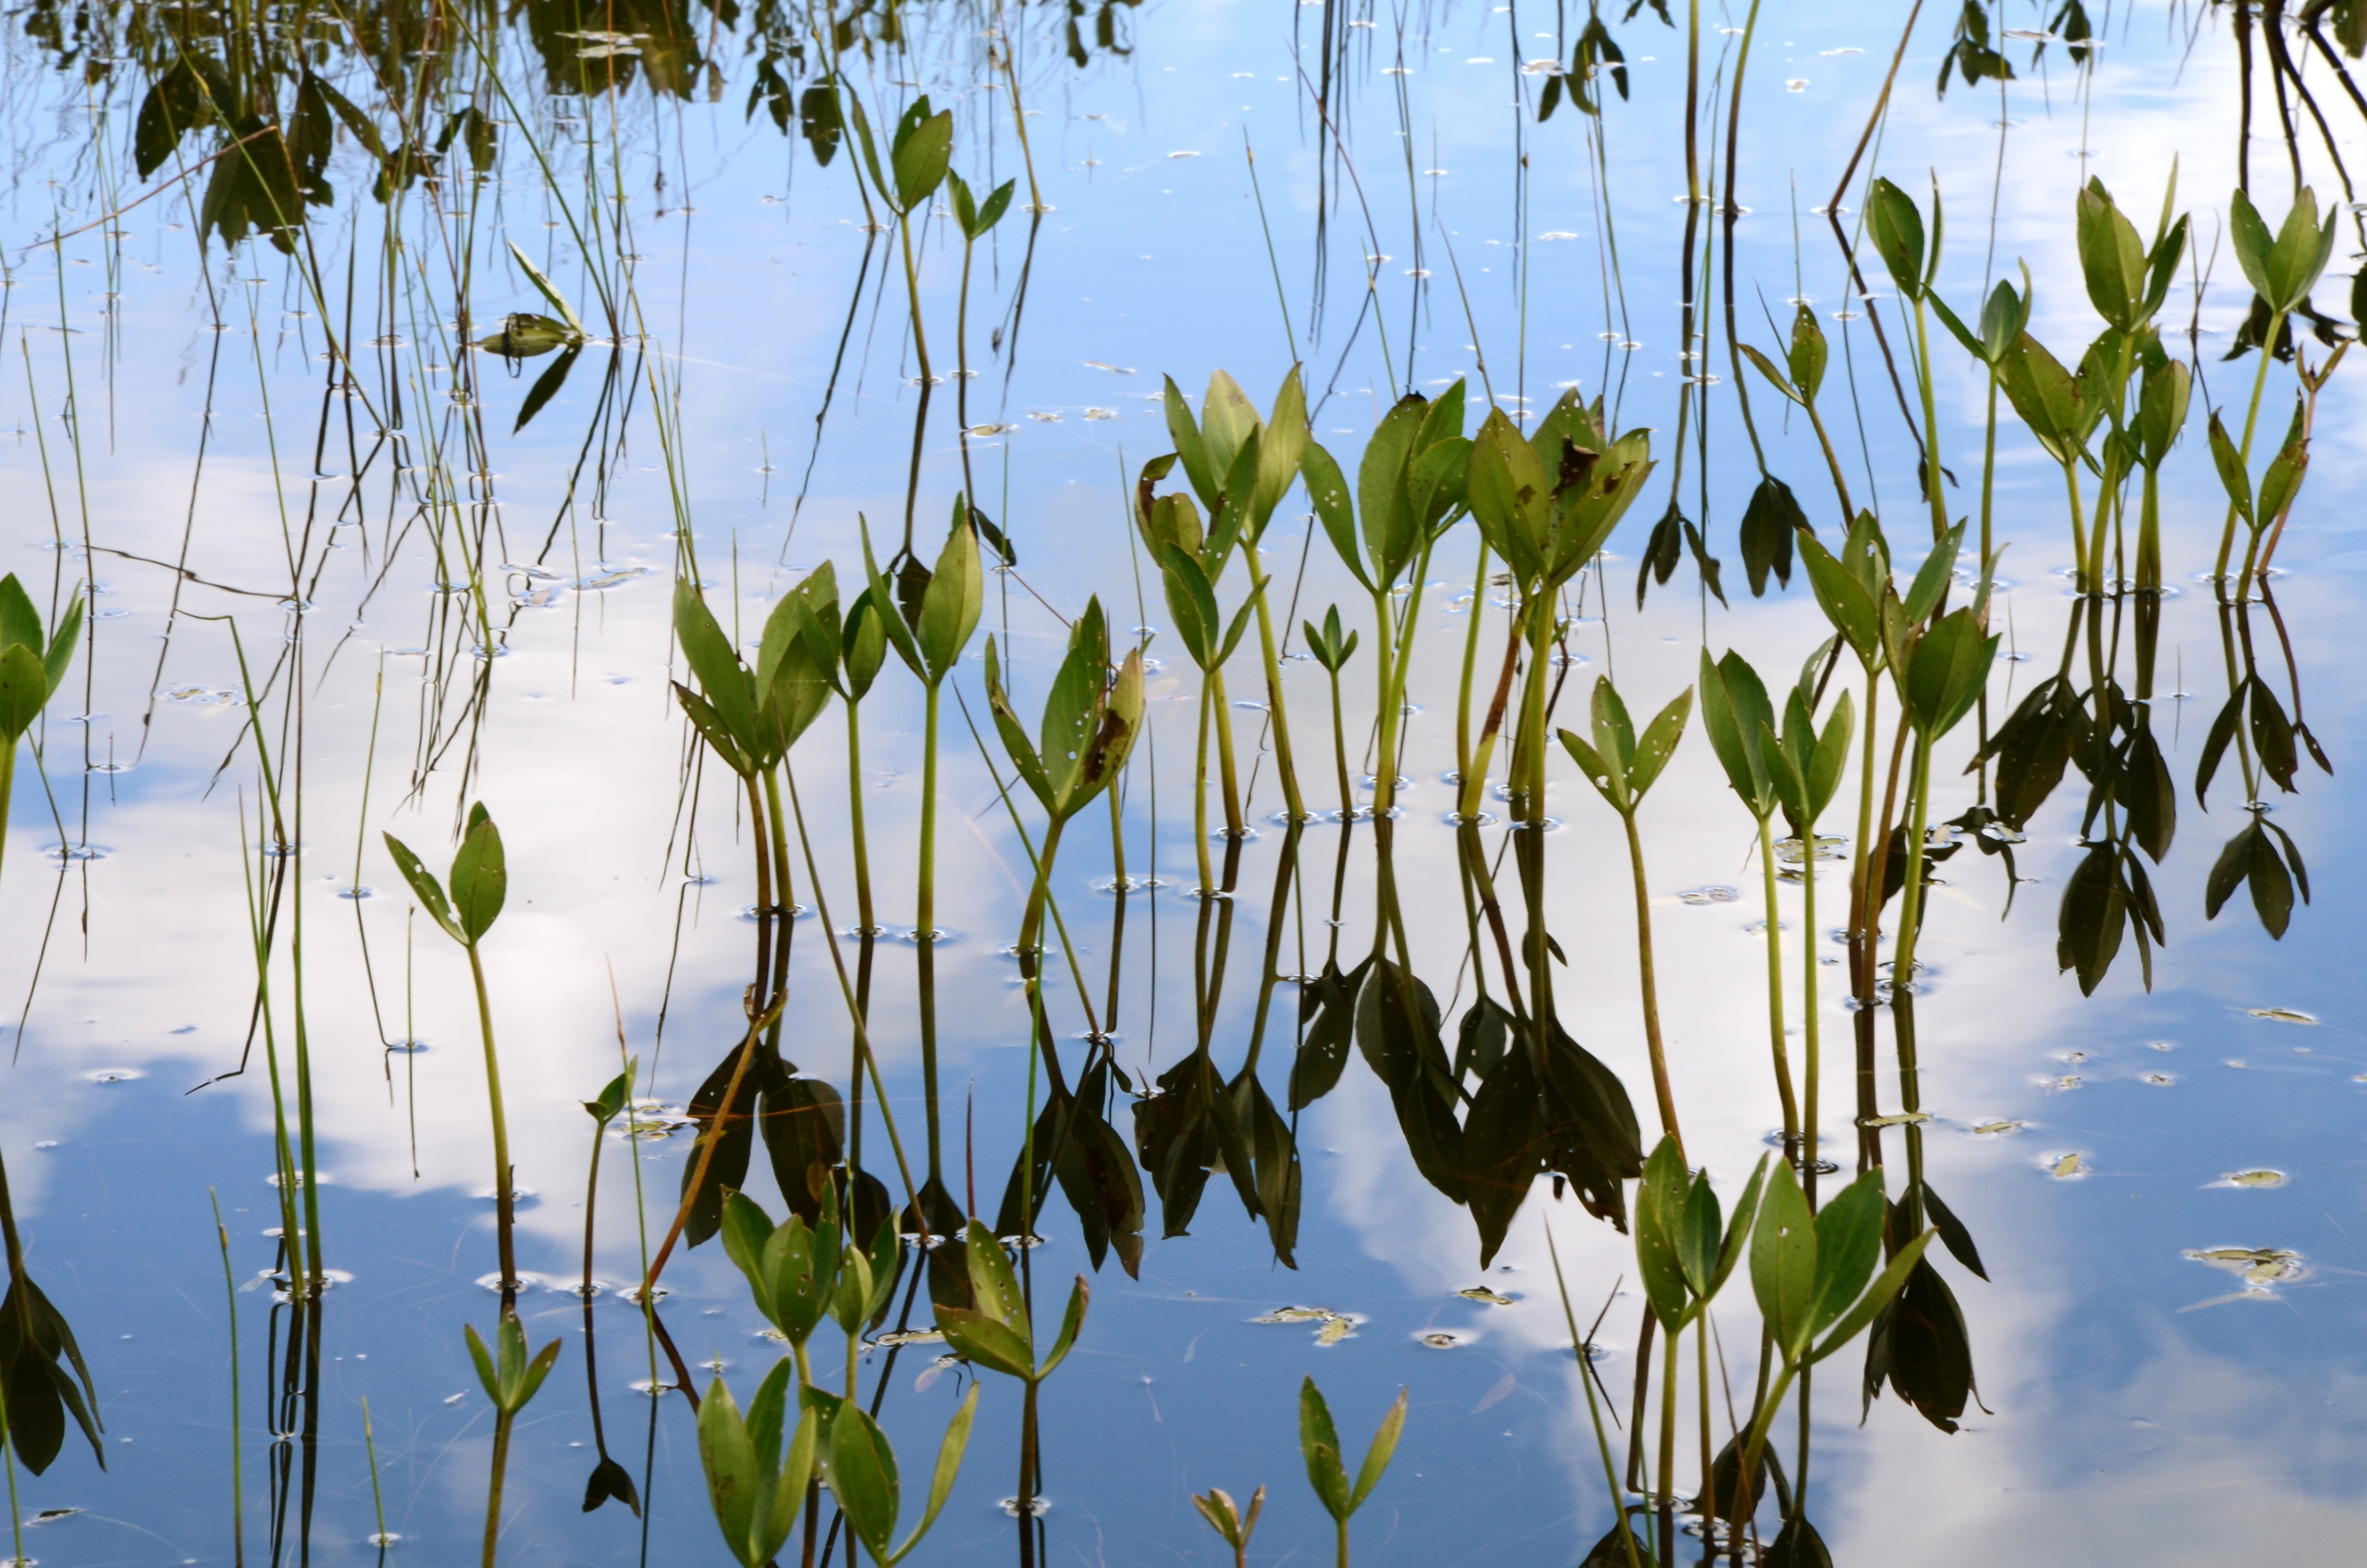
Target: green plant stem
point(1662, 1091)
point(1340, 1531)
point(1340, 755)
point(1808, 1022)
point(1284, 763)
point(1027, 1482)
point(1989, 477)
point(1199, 801)
point(1665, 1486)
point(238, 1438)
point(1832, 461)
point(1910, 896)
point(862, 844)
point(1775, 989)
point(1470, 669)
point(925, 905)
point(1222, 712)
point(920, 352)
point(502, 1421)
point(1038, 1034)
point(2252, 420)
point(505, 1197)
point(1756, 1443)
point(1934, 478)
point(378, 1496)
point(1593, 1409)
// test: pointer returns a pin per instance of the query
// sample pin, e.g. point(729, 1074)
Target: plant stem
point(1284, 763)
point(501, 1464)
point(925, 905)
point(504, 1198)
point(1775, 990)
point(1660, 1089)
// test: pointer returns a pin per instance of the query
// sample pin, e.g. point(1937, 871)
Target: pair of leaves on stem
point(800, 1273)
point(1196, 1122)
point(1684, 1250)
point(757, 1489)
point(478, 885)
point(1547, 502)
point(1076, 1145)
point(1327, 1462)
point(1621, 765)
point(1089, 720)
point(1540, 1108)
point(998, 1332)
point(510, 1377)
point(2254, 704)
point(39, 1392)
point(31, 664)
point(919, 151)
point(750, 718)
point(1796, 772)
point(938, 607)
point(803, 1124)
point(1409, 486)
point(1241, 465)
point(1595, 50)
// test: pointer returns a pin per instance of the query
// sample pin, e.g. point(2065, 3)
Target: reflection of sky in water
point(2124, 1429)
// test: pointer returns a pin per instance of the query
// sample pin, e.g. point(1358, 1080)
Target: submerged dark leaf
point(1919, 1345)
point(1768, 525)
point(733, 1132)
point(1328, 1026)
point(39, 1392)
point(610, 1480)
point(1397, 1031)
point(1797, 1545)
point(1661, 552)
point(545, 387)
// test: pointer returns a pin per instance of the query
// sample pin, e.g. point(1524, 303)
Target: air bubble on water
point(896, 1337)
point(407, 1047)
point(115, 1074)
point(1038, 1506)
point(356, 893)
point(2158, 1080)
point(1710, 895)
point(655, 1388)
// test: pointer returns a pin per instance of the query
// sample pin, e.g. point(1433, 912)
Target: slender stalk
point(1660, 1088)
point(1285, 765)
point(238, 1438)
point(1932, 475)
point(505, 1197)
point(2252, 420)
point(1665, 1486)
point(502, 1421)
point(1775, 989)
point(925, 905)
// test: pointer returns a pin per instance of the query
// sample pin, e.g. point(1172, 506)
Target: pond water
point(422, 406)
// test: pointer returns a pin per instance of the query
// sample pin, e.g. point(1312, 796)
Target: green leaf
point(485, 1376)
point(1949, 668)
point(1777, 379)
point(23, 691)
point(480, 877)
point(923, 148)
point(1738, 1227)
point(1376, 1458)
point(880, 599)
point(1783, 1263)
point(722, 679)
point(1735, 710)
point(860, 1469)
point(1659, 1216)
point(1770, 524)
point(20, 623)
point(737, 1484)
point(2255, 245)
point(1227, 422)
point(2230, 462)
point(1319, 1445)
point(1843, 599)
point(1806, 354)
point(424, 886)
point(1848, 1239)
point(1658, 742)
point(1897, 229)
point(1190, 449)
point(1072, 1322)
point(1327, 493)
point(544, 286)
point(949, 1466)
point(987, 1342)
point(1885, 1286)
point(949, 611)
point(2111, 258)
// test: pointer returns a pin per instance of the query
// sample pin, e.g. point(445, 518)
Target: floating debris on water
point(2066, 1167)
point(1900, 1118)
point(2260, 1177)
point(895, 1337)
point(1444, 1339)
point(1480, 1293)
point(2281, 1015)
